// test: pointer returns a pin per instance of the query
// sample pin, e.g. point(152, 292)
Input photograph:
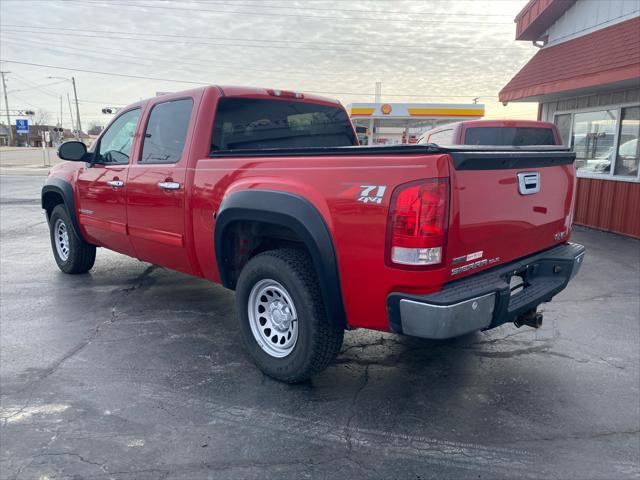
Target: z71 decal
point(365, 193)
point(372, 193)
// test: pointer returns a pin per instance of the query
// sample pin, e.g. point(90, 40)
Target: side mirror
point(73, 151)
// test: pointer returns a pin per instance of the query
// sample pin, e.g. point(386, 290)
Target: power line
point(101, 102)
point(25, 102)
point(70, 50)
point(92, 54)
point(112, 74)
point(280, 15)
point(42, 89)
point(110, 36)
point(260, 41)
point(386, 12)
point(35, 87)
point(180, 61)
point(191, 82)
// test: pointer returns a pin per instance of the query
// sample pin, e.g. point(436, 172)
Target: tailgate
point(506, 205)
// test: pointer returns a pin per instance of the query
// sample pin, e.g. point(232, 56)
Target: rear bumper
point(484, 300)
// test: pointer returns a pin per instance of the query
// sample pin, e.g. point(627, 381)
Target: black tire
point(81, 255)
point(318, 338)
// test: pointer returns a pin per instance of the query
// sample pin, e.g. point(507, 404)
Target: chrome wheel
point(273, 318)
point(61, 238)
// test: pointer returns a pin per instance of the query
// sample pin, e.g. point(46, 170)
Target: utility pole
point(71, 115)
point(6, 104)
point(75, 94)
point(60, 124)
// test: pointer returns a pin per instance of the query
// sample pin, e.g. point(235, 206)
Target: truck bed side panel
point(334, 185)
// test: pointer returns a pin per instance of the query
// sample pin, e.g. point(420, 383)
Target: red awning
point(538, 15)
point(606, 56)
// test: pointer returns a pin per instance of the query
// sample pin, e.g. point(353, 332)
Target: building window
point(563, 122)
point(593, 140)
point(628, 155)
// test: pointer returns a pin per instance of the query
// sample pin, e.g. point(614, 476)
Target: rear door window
point(443, 137)
point(509, 136)
point(249, 123)
point(166, 131)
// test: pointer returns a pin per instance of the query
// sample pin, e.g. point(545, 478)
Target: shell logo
point(386, 109)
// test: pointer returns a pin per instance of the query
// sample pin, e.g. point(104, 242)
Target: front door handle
point(169, 185)
point(115, 183)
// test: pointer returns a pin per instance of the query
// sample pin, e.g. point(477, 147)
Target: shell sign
point(386, 109)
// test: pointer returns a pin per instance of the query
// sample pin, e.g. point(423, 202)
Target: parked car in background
point(494, 132)
point(266, 192)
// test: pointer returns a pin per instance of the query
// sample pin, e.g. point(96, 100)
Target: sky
point(120, 51)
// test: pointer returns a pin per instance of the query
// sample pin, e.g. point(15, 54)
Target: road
point(27, 160)
point(137, 372)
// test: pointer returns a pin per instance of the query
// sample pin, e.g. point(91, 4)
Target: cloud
point(439, 51)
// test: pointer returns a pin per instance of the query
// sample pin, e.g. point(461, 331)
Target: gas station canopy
point(403, 122)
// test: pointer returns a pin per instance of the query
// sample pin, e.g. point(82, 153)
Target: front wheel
point(72, 253)
point(282, 316)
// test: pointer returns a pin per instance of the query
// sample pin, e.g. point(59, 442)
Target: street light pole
point(6, 104)
point(73, 127)
point(75, 94)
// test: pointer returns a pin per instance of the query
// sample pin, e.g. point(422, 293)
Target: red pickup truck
point(494, 133)
point(267, 193)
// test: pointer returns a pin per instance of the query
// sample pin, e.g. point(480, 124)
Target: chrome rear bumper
point(435, 321)
point(484, 300)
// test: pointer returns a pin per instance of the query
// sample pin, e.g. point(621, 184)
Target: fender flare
point(65, 190)
point(300, 216)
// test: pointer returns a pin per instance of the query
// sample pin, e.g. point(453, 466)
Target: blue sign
point(22, 126)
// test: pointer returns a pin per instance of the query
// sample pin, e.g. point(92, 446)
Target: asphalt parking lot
point(133, 371)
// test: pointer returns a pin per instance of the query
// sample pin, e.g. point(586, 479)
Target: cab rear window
point(509, 136)
point(249, 123)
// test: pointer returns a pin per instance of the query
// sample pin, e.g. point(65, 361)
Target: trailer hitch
point(532, 318)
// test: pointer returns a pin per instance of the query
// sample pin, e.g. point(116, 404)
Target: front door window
point(115, 144)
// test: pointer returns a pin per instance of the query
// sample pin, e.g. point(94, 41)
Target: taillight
point(418, 223)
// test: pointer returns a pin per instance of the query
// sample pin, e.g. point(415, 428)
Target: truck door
point(101, 187)
point(156, 187)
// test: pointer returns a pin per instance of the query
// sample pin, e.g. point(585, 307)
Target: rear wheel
point(72, 254)
point(282, 316)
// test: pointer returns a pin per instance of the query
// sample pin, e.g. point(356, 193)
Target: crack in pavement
point(524, 347)
point(137, 284)
point(33, 458)
point(103, 466)
point(352, 410)
point(51, 369)
point(431, 451)
point(579, 437)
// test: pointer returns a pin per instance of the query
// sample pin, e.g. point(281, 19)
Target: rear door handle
point(115, 183)
point(169, 185)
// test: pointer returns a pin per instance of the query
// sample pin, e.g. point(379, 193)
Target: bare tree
point(41, 117)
